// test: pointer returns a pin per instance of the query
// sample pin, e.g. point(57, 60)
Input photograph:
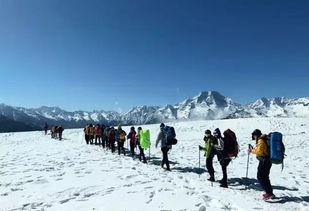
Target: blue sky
point(113, 55)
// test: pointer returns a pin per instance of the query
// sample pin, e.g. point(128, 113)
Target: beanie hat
point(208, 132)
point(217, 131)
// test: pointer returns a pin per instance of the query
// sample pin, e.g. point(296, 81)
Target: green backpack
point(145, 139)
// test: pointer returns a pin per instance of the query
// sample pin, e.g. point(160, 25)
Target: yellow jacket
point(261, 149)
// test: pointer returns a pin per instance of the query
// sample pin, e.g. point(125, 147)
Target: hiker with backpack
point(103, 138)
point(97, 133)
point(112, 138)
point(223, 147)
point(60, 130)
point(263, 155)
point(86, 132)
point(141, 150)
point(106, 135)
point(120, 138)
point(165, 146)
point(132, 137)
point(91, 133)
point(210, 152)
point(45, 128)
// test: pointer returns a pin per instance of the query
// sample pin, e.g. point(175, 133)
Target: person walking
point(60, 130)
point(209, 149)
point(141, 150)
point(162, 138)
point(132, 137)
point(224, 160)
point(262, 154)
point(120, 138)
point(45, 128)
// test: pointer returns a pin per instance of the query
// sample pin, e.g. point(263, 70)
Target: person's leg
point(224, 163)
point(118, 146)
point(132, 148)
point(122, 146)
point(268, 186)
point(210, 167)
point(163, 157)
point(167, 161)
point(263, 176)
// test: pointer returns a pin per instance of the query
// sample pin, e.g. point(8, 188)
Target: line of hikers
point(55, 131)
point(108, 136)
point(225, 147)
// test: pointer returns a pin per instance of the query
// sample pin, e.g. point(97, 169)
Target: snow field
point(40, 173)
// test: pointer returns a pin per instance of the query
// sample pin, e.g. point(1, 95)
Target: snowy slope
point(37, 173)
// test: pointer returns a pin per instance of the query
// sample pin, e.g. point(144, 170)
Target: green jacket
point(209, 143)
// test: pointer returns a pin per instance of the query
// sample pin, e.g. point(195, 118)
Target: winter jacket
point(120, 133)
point(97, 131)
point(132, 136)
point(91, 131)
point(261, 149)
point(60, 129)
point(209, 145)
point(161, 137)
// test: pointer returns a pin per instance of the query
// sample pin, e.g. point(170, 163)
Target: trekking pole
point(249, 146)
point(199, 157)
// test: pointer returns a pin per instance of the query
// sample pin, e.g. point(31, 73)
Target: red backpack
point(231, 147)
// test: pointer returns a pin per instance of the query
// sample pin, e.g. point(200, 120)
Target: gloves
point(249, 150)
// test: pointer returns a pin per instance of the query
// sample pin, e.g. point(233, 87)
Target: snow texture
point(39, 173)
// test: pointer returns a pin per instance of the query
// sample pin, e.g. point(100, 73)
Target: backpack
point(144, 139)
point(111, 134)
point(169, 133)
point(122, 135)
point(231, 147)
point(276, 148)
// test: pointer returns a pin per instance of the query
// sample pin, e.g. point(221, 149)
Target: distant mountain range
point(206, 105)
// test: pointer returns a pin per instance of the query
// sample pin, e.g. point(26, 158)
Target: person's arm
point(261, 149)
point(220, 145)
point(158, 138)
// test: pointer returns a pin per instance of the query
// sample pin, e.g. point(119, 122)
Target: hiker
point(91, 133)
point(56, 132)
point(97, 133)
point(210, 152)
point(132, 138)
point(102, 135)
point(60, 130)
point(86, 131)
point(141, 150)
point(262, 154)
point(106, 132)
point(164, 147)
point(45, 128)
point(111, 138)
point(52, 131)
point(223, 159)
point(120, 138)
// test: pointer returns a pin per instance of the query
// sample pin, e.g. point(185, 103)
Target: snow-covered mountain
point(280, 107)
point(205, 106)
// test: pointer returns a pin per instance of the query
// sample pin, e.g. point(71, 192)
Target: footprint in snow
point(150, 197)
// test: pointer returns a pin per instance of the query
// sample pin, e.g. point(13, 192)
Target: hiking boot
point(211, 179)
point(268, 196)
point(223, 185)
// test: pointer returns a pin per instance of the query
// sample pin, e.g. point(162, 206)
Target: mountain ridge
point(206, 105)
